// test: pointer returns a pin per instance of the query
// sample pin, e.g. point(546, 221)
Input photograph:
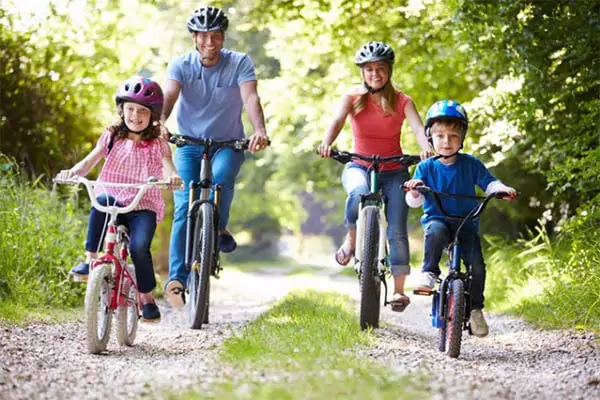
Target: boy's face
point(447, 140)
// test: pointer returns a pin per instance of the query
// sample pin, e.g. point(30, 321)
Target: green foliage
point(553, 283)
point(40, 236)
point(60, 67)
point(310, 338)
point(552, 48)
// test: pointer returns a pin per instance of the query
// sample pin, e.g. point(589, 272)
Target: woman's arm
point(336, 126)
point(416, 125)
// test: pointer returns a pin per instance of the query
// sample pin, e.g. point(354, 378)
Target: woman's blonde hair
point(388, 100)
point(119, 129)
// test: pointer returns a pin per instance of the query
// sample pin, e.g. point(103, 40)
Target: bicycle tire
point(98, 315)
point(370, 286)
point(456, 314)
point(202, 259)
point(128, 313)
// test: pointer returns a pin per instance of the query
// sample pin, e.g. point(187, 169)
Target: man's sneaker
point(150, 313)
point(80, 272)
point(227, 243)
point(174, 293)
point(426, 281)
point(479, 327)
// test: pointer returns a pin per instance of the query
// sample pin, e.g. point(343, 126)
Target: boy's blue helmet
point(445, 110)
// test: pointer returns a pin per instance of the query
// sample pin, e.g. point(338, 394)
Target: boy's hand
point(512, 193)
point(413, 183)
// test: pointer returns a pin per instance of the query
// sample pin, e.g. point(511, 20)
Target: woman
point(377, 111)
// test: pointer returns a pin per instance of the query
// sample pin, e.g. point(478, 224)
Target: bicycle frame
point(372, 217)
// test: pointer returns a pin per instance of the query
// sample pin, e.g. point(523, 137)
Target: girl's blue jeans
point(356, 181)
point(438, 235)
point(141, 225)
point(226, 164)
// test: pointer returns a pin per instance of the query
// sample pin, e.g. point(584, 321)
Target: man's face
point(209, 44)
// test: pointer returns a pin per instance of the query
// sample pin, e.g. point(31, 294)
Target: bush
point(40, 237)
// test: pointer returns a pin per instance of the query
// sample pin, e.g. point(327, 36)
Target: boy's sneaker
point(150, 313)
point(174, 293)
point(227, 243)
point(426, 281)
point(479, 327)
point(80, 272)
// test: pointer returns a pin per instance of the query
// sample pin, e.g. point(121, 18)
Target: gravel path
point(43, 361)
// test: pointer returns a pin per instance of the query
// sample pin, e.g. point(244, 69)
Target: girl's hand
point(65, 175)
point(324, 150)
point(175, 180)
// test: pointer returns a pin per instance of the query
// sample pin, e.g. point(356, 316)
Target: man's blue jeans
point(226, 164)
point(438, 235)
point(356, 181)
point(141, 225)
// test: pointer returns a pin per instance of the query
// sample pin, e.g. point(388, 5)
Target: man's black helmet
point(374, 51)
point(206, 19)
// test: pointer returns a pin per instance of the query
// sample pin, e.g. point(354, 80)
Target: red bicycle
point(112, 285)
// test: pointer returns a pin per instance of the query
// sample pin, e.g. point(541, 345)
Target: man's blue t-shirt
point(461, 177)
point(210, 103)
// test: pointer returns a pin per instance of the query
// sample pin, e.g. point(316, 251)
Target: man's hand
point(258, 142)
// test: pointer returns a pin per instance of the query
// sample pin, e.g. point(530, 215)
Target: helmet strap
point(373, 91)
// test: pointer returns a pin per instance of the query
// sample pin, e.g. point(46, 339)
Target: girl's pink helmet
point(141, 90)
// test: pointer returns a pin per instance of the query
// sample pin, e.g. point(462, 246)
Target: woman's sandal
point(399, 302)
point(342, 256)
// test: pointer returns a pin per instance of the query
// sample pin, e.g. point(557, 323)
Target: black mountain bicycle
point(201, 240)
point(451, 303)
point(372, 247)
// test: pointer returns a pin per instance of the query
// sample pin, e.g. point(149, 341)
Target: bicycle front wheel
point(370, 287)
point(128, 312)
point(202, 260)
point(98, 315)
point(455, 316)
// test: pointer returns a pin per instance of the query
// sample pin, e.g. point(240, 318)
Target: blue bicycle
point(451, 303)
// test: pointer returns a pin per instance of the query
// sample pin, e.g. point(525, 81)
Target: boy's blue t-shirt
point(210, 103)
point(457, 178)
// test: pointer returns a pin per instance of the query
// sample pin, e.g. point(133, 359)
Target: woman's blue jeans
point(226, 164)
point(438, 235)
point(356, 181)
point(141, 225)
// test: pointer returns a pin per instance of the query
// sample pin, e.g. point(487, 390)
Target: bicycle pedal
point(424, 292)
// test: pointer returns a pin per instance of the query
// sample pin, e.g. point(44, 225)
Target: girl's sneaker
point(80, 272)
point(150, 312)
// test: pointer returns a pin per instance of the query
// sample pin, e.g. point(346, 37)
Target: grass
point(305, 347)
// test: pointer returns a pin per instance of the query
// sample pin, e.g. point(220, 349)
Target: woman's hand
point(175, 180)
point(324, 150)
point(425, 154)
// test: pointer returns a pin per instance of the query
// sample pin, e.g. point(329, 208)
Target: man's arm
point(259, 139)
point(171, 90)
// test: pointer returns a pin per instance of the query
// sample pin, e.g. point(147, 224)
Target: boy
point(445, 128)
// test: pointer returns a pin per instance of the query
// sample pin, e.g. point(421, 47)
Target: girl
point(377, 111)
point(134, 151)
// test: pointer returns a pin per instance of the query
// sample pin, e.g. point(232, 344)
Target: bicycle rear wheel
point(455, 307)
point(202, 259)
point(98, 315)
point(128, 312)
point(370, 287)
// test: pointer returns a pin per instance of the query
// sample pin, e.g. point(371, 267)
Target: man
point(212, 84)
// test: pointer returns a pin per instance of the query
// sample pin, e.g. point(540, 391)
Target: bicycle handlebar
point(236, 144)
point(344, 157)
point(483, 200)
point(142, 188)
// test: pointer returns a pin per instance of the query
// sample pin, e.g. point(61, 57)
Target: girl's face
point(446, 139)
point(136, 117)
point(376, 74)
